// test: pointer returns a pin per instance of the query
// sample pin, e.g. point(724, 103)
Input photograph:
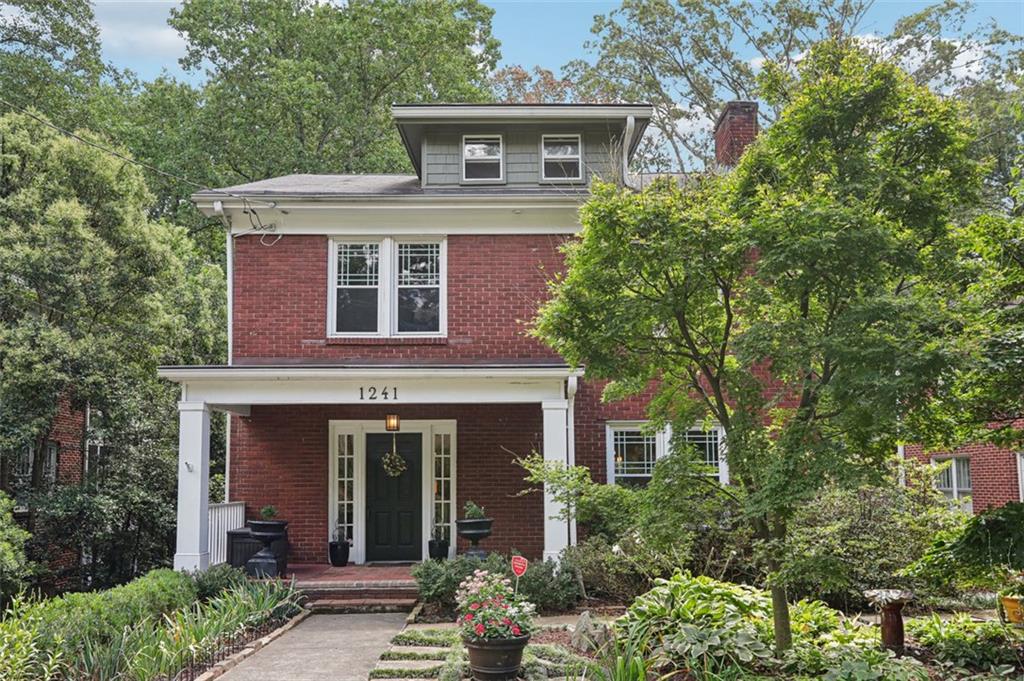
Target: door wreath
point(394, 464)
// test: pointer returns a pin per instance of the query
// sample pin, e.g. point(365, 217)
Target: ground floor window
point(442, 484)
point(955, 480)
point(633, 449)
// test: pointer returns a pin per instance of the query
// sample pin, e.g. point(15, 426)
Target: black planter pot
point(338, 551)
point(496, 659)
point(474, 529)
point(438, 549)
point(264, 563)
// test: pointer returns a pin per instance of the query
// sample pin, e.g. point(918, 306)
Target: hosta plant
point(489, 609)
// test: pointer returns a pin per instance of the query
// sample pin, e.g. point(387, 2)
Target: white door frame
point(359, 429)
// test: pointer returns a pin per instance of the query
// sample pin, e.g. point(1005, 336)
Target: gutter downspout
point(627, 138)
point(229, 257)
point(571, 386)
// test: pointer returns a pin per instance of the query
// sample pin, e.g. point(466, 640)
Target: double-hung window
point(24, 466)
point(955, 480)
point(561, 158)
point(387, 287)
point(483, 158)
point(633, 450)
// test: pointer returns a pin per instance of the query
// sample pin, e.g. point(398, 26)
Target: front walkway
point(335, 647)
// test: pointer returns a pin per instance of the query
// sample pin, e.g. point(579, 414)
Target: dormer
point(558, 147)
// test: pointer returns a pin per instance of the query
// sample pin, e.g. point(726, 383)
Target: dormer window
point(561, 158)
point(482, 158)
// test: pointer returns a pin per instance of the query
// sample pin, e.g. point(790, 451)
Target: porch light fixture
point(392, 423)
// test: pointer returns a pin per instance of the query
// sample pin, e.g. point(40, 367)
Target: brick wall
point(279, 456)
point(994, 475)
point(495, 284)
point(69, 434)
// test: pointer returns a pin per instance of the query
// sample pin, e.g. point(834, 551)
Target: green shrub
point(217, 579)
point(14, 566)
point(66, 622)
point(23, 647)
point(604, 572)
point(545, 584)
point(966, 643)
point(847, 541)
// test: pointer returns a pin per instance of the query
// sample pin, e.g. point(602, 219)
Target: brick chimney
point(735, 129)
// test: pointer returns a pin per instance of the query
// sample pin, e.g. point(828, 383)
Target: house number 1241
point(374, 393)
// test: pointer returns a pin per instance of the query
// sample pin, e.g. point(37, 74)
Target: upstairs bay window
point(561, 158)
point(387, 288)
point(482, 158)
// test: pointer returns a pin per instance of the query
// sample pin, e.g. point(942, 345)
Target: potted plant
point(437, 547)
point(267, 529)
point(1011, 601)
point(495, 625)
point(474, 526)
point(338, 549)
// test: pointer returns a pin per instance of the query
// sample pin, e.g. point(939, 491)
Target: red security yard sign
point(519, 565)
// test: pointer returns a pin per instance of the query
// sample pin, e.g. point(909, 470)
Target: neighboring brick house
point(980, 476)
point(356, 297)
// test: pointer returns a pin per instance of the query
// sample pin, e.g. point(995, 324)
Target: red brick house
point(355, 298)
point(980, 476)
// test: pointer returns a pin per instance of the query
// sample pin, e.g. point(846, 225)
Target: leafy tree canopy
point(801, 302)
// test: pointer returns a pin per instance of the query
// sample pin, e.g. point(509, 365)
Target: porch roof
point(228, 386)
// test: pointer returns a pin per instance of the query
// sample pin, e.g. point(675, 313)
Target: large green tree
point(799, 302)
point(93, 294)
point(688, 57)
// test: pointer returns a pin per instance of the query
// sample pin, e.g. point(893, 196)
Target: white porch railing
point(224, 517)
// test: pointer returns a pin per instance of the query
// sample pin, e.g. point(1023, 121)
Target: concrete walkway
point(336, 647)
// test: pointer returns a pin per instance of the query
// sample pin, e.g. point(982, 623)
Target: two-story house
point(359, 302)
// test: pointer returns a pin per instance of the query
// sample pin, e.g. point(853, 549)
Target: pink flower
point(515, 630)
point(469, 616)
point(506, 620)
point(474, 606)
point(480, 629)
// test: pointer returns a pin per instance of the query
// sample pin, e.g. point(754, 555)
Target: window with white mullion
point(708, 446)
point(954, 480)
point(418, 288)
point(482, 158)
point(357, 297)
point(561, 158)
point(632, 453)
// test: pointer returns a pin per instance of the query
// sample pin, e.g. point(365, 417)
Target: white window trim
point(501, 160)
point(578, 158)
point(958, 493)
point(1020, 475)
point(359, 430)
point(387, 287)
point(663, 442)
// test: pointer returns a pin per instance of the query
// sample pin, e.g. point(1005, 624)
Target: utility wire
point(127, 159)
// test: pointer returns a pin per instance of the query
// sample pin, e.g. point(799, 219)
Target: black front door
point(394, 521)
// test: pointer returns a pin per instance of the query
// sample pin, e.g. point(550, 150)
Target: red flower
point(474, 606)
point(516, 631)
point(506, 621)
point(469, 616)
point(480, 629)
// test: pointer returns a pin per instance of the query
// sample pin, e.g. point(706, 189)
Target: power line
point(127, 159)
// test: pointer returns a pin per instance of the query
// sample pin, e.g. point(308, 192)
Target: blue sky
point(135, 33)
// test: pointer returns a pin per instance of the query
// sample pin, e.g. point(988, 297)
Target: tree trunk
point(780, 618)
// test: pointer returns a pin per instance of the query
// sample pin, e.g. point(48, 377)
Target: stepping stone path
point(419, 663)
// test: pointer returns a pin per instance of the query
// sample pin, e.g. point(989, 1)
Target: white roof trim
point(314, 373)
point(520, 112)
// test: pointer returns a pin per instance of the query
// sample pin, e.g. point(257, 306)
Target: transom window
point(387, 288)
point(955, 480)
point(482, 157)
point(561, 158)
point(633, 450)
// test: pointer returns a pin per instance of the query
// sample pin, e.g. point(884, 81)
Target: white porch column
point(193, 548)
point(556, 530)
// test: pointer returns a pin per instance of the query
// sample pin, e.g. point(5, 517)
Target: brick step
point(319, 591)
point(344, 606)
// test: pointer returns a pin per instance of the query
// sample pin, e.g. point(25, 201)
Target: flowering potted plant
point(495, 626)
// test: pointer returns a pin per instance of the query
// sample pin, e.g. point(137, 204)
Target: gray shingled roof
point(325, 185)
